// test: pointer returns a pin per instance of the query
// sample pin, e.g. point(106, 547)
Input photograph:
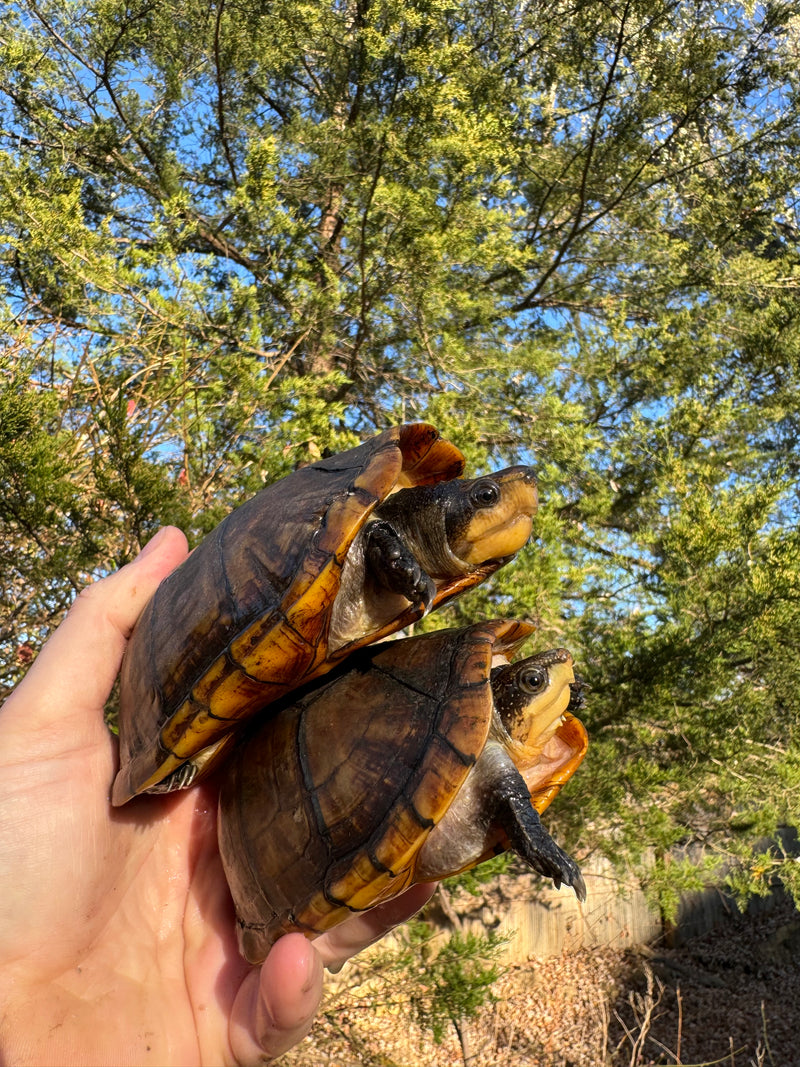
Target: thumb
point(77, 666)
point(276, 1004)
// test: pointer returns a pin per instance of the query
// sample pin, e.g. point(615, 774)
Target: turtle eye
point(485, 493)
point(533, 681)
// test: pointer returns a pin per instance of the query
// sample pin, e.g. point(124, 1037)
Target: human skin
point(117, 937)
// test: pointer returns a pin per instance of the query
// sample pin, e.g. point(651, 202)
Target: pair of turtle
point(413, 759)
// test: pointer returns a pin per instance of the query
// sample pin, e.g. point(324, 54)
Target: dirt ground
point(730, 997)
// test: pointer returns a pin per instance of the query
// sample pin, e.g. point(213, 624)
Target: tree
point(237, 234)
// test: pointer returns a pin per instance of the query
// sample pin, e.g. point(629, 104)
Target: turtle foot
point(533, 844)
point(181, 778)
point(391, 564)
point(547, 859)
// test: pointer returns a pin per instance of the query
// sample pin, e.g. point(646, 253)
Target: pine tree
point(238, 234)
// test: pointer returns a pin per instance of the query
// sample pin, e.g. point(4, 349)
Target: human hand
point(117, 940)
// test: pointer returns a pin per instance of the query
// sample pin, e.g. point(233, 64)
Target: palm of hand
point(116, 932)
point(128, 913)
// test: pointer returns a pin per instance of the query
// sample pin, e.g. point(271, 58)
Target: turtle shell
point(245, 618)
point(325, 807)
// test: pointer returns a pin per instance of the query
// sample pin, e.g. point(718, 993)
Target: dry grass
point(731, 997)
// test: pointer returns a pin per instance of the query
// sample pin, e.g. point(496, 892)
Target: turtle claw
point(181, 778)
point(570, 875)
point(547, 859)
point(392, 564)
point(579, 887)
point(427, 593)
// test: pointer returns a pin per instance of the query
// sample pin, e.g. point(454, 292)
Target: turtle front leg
point(507, 804)
point(531, 842)
point(392, 566)
point(493, 811)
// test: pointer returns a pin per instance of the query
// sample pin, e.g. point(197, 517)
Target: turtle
point(416, 759)
point(337, 554)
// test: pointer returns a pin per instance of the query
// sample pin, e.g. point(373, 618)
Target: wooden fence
point(616, 913)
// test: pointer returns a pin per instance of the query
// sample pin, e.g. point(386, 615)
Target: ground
point(730, 997)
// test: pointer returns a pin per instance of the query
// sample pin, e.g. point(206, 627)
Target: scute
point(244, 618)
point(377, 751)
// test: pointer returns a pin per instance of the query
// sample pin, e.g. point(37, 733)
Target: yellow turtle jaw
point(545, 713)
point(503, 528)
point(494, 541)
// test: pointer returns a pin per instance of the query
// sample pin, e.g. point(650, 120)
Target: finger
point(77, 666)
point(339, 944)
point(276, 1004)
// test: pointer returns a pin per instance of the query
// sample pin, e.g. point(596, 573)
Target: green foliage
point(237, 235)
point(670, 877)
point(450, 981)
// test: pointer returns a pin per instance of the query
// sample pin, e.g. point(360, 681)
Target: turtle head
point(531, 696)
point(455, 527)
point(490, 517)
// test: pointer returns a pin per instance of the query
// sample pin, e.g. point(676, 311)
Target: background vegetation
point(236, 233)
